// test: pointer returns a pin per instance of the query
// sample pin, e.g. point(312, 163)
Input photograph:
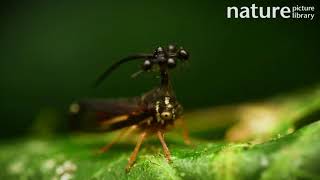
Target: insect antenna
point(136, 74)
point(117, 64)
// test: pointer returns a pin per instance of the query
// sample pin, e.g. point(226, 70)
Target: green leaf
point(274, 153)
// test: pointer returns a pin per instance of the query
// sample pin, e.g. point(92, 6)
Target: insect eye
point(166, 115)
point(183, 54)
point(171, 63)
point(147, 65)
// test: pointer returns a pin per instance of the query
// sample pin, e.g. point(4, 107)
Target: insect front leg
point(164, 146)
point(135, 152)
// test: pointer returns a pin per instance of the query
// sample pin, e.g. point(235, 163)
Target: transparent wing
point(106, 115)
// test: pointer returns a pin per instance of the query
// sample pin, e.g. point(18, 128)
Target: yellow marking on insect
point(157, 106)
point(146, 120)
point(149, 119)
point(157, 110)
point(166, 100)
point(115, 119)
point(74, 108)
point(173, 113)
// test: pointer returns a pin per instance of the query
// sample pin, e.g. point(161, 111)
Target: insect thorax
point(163, 106)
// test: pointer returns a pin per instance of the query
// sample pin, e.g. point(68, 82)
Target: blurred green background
point(52, 51)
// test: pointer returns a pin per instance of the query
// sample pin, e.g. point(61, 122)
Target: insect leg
point(185, 132)
point(122, 134)
point(136, 150)
point(164, 146)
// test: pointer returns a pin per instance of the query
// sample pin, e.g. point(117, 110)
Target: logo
point(256, 12)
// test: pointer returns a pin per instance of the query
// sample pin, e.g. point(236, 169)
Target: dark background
point(52, 51)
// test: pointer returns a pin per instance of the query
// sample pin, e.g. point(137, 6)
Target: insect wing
point(105, 115)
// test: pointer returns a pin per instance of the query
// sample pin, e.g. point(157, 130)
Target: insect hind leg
point(121, 135)
point(185, 131)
